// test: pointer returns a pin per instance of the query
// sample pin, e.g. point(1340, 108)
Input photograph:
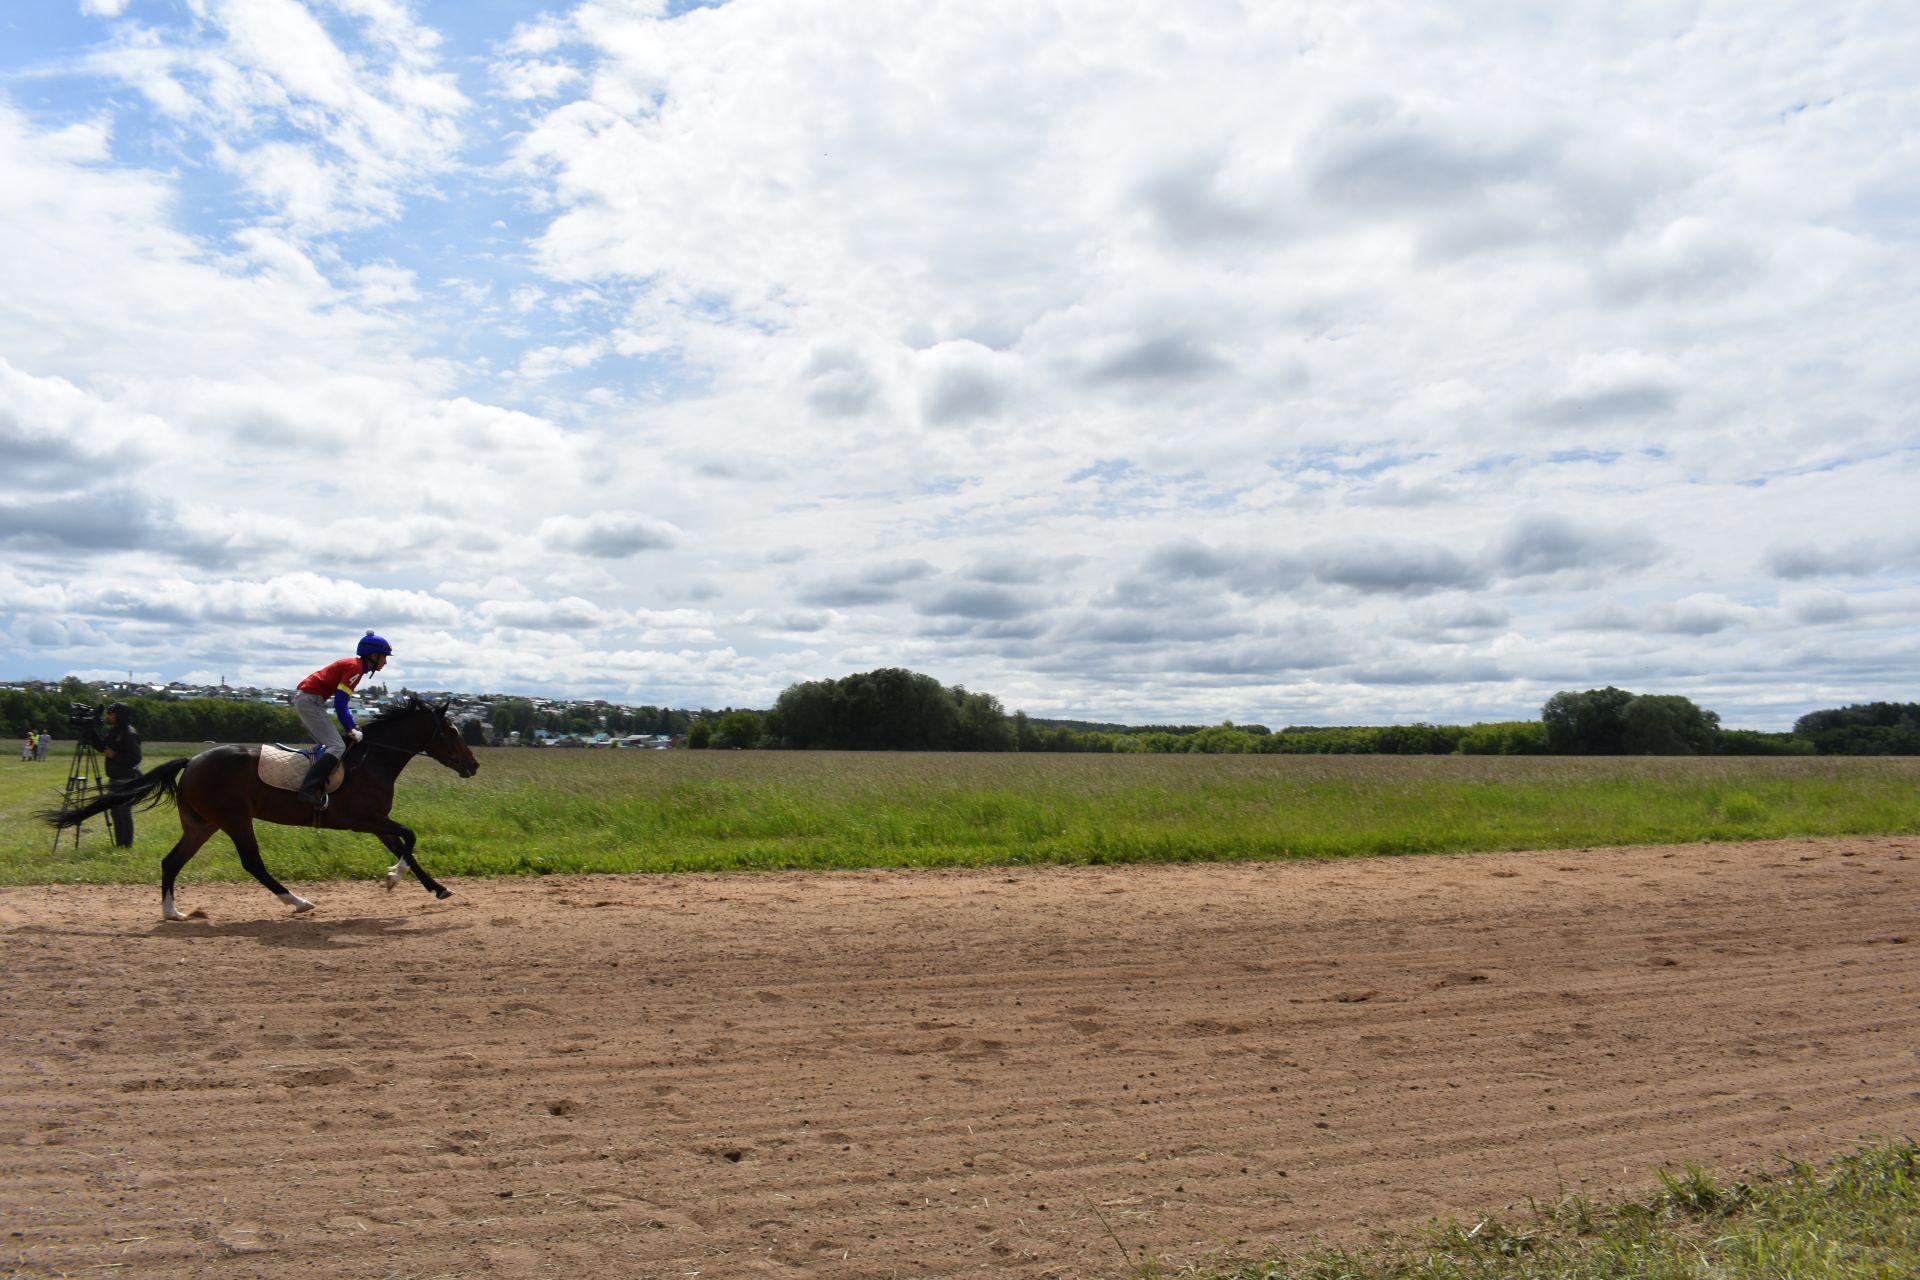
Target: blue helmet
point(371, 644)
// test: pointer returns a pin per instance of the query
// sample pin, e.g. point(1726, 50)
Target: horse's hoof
point(443, 894)
point(299, 904)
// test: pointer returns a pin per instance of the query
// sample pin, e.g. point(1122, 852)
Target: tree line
point(1613, 721)
point(241, 720)
point(160, 719)
point(890, 709)
point(894, 709)
point(1863, 729)
point(522, 716)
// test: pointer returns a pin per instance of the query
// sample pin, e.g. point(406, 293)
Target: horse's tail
point(153, 786)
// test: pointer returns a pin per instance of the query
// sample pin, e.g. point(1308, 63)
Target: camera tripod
point(86, 778)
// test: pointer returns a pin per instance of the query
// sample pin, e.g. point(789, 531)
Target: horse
point(220, 790)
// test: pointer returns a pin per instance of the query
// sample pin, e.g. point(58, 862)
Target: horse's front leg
point(400, 840)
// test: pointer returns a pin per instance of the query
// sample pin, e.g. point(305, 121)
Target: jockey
point(336, 682)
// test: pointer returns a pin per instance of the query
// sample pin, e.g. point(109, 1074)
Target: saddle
point(286, 768)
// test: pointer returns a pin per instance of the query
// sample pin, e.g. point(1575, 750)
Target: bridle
point(388, 746)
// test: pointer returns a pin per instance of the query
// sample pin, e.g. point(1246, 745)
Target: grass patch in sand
point(546, 811)
point(1861, 1221)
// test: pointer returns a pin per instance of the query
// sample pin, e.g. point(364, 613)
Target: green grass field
point(1859, 1221)
point(540, 812)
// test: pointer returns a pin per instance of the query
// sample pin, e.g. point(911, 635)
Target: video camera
point(84, 716)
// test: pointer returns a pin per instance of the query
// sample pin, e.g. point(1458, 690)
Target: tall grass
point(538, 812)
point(1859, 1222)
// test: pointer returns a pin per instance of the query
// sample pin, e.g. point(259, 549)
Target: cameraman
point(121, 748)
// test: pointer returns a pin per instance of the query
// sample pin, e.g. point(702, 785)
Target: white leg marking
point(167, 910)
point(393, 874)
point(297, 902)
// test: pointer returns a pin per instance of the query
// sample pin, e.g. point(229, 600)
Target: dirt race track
point(929, 1073)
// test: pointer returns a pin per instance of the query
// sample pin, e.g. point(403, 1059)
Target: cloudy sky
point(1293, 361)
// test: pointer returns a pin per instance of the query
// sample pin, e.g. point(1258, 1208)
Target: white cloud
point(379, 284)
point(497, 588)
point(362, 130)
point(296, 598)
point(525, 81)
point(610, 534)
point(570, 613)
point(1311, 362)
point(547, 362)
point(963, 381)
point(57, 436)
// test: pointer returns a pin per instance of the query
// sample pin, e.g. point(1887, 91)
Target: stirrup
point(319, 784)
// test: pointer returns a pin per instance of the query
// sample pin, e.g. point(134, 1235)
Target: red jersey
point(336, 677)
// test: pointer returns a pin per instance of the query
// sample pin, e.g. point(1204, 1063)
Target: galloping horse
point(220, 790)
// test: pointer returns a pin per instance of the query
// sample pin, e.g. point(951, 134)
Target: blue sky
point(1304, 364)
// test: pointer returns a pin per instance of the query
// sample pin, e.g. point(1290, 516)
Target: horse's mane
point(413, 706)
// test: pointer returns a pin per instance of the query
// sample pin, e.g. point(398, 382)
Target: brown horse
point(220, 790)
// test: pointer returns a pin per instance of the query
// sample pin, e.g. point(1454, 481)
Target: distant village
point(611, 723)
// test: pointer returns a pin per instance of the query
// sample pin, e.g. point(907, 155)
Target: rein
point(388, 746)
point(404, 751)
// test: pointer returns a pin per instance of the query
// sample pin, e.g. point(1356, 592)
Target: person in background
point(41, 744)
point(120, 746)
point(26, 746)
point(334, 683)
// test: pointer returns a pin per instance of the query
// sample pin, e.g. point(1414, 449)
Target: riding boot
point(314, 789)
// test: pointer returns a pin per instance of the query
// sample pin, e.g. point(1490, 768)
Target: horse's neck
point(389, 756)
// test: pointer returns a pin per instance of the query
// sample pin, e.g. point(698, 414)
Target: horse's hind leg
point(194, 832)
point(242, 835)
point(400, 840)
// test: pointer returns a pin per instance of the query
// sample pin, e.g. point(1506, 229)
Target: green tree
point(1863, 729)
point(806, 714)
point(904, 711)
point(1753, 742)
point(1667, 725)
point(1586, 724)
point(1615, 722)
point(980, 723)
point(700, 734)
point(1505, 738)
point(889, 709)
point(1023, 737)
point(1224, 739)
point(514, 715)
point(735, 730)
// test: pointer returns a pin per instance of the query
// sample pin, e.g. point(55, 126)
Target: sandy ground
point(1010, 1073)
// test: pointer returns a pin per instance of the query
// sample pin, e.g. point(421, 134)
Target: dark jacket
point(124, 741)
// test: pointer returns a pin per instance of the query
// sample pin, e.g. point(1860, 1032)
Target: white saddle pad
point(286, 769)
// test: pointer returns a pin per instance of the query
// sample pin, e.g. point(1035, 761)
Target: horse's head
point(448, 747)
point(419, 727)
